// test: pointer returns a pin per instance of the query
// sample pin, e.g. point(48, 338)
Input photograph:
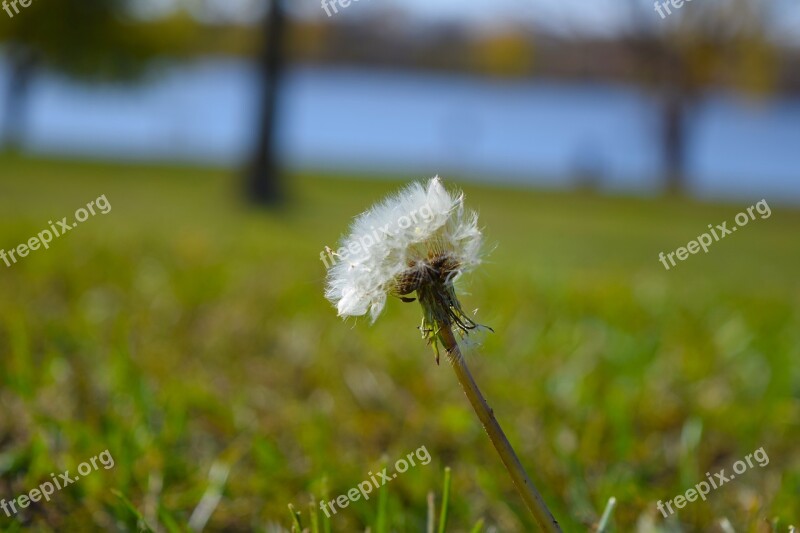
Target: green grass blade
point(169, 523)
point(445, 500)
point(383, 500)
point(478, 527)
point(431, 524)
point(296, 525)
point(314, 516)
point(141, 523)
point(326, 495)
point(602, 527)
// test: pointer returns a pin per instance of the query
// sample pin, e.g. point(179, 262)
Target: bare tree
point(264, 185)
point(86, 39)
point(682, 51)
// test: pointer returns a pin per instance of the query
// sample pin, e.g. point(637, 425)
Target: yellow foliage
point(506, 54)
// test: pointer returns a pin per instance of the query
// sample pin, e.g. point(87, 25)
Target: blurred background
point(615, 96)
point(235, 139)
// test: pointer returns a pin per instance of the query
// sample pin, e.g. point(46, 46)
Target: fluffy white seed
point(420, 222)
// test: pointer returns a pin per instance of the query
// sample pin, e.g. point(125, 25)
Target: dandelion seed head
point(421, 235)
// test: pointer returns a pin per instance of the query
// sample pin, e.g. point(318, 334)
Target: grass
point(188, 335)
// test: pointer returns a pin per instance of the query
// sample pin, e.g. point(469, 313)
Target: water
point(541, 132)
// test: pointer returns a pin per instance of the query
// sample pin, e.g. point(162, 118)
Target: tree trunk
point(677, 94)
point(263, 176)
point(23, 69)
point(674, 141)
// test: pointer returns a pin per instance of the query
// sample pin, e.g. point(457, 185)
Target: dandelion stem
point(533, 500)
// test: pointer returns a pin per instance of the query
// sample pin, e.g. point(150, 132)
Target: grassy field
point(188, 336)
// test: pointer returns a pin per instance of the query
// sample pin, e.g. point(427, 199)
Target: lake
point(543, 133)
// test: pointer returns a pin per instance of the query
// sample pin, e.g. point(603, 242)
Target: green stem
point(533, 500)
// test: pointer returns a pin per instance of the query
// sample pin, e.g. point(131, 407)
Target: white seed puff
point(396, 242)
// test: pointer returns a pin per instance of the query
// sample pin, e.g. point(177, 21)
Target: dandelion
point(414, 246)
point(420, 241)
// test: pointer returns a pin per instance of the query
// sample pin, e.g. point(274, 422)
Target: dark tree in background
point(84, 39)
point(23, 67)
point(695, 48)
point(263, 175)
point(654, 43)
